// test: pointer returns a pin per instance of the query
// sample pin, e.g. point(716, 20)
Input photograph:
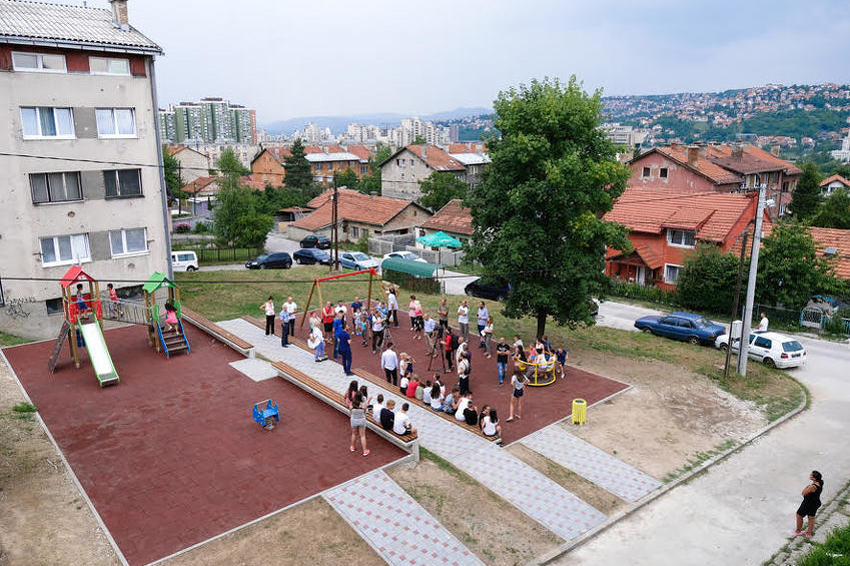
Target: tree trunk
point(541, 324)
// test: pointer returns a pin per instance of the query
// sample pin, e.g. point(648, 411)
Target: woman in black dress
point(810, 504)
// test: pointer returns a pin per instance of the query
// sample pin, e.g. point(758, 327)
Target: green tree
point(272, 199)
point(238, 218)
point(537, 214)
point(439, 188)
point(371, 183)
point(834, 211)
point(790, 271)
point(418, 140)
point(347, 178)
point(173, 182)
point(806, 197)
point(707, 279)
point(228, 164)
point(299, 172)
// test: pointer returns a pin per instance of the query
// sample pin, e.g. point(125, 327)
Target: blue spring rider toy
point(263, 415)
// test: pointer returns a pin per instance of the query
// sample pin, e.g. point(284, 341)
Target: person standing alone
point(810, 505)
point(463, 319)
point(343, 340)
point(268, 308)
point(389, 363)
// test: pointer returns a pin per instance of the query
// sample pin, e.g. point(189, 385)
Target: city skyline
point(329, 59)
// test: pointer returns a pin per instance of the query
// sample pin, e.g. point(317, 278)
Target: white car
point(770, 348)
point(358, 261)
point(405, 255)
point(184, 261)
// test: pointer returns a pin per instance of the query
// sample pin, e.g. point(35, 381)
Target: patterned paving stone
point(591, 463)
point(258, 370)
point(395, 525)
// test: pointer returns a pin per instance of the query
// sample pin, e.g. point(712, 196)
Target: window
point(671, 273)
point(116, 122)
point(105, 66)
point(681, 238)
point(364, 169)
point(662, 172)
point(125, 242)
point(123, 183)
point(763, 342)
point(355, 232)
point(43, 63)
point(47, 122)
point(54, 307)
point(645, 172)
point(65, 249)
point(55, 187)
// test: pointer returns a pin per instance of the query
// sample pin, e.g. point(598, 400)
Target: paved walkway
point(394, 524)
point(606, 471)
point(530, 491)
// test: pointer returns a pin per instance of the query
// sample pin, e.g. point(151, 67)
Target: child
point(358, 329)
point(411, 386)
point(426, 393)
point(436, 398)
point(402, 384)
point(114, 305)
point(377, 406)
point(402, 421)
point(562, 356)
point(170, 316)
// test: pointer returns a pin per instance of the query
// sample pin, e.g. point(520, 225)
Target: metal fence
point(221, 255)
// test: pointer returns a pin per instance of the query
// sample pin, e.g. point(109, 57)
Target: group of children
point(360, 403)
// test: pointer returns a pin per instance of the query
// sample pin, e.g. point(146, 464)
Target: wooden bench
point(408, 442)
point(217, 332)
point(414, 401)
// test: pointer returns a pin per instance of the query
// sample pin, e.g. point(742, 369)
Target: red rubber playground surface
point(171, 456)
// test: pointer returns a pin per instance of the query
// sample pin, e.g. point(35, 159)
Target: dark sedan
point(685, 326)
point(280, 260)
point(491, 290)
point(314, 241)
point(309, 256)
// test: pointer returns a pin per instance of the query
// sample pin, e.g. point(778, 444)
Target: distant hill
point(337, 124)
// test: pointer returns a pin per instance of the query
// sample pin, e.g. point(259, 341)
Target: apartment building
point(80, 164)
point(210, 120)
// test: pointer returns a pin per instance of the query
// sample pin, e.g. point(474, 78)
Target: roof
point(468, 147)
point(156, 281)
point(838, 239)
point(410, 266)
point(74, 274)
point(711, 215)
point(834, 178)
point(336, 156)
point(200, 184)
point(354, 206)
point(175, 149)
point(471, 158)
point(642, 250)
point(453, 218)
point(361, 151)
point(713, 172)
point(751, 160)
point(435, 158)
point(65, 26)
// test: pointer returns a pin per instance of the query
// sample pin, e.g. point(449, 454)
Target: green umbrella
point(439, 240)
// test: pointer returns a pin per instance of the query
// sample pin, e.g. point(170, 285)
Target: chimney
point(774, 150)
point(693, 154)
point(737, 151)
point(119, 14)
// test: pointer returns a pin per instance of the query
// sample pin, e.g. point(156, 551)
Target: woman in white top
point(518, 382)
point(436, 397)
point(490, 424)
point(461, 407)
point(268, 307)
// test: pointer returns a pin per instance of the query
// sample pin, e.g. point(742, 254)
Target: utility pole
point(335, 220)
point(751, 287)
point(746, 236)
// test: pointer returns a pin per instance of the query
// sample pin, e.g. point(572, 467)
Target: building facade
point(402, 172)
point(208, 121)
point(78, 87)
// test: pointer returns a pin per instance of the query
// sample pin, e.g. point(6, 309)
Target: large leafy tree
point(238, 217)
point(439, 188)
point(299, 173)
point(806, 196)
point(229, 165)
point(347, 179)
point(537, 214)
point(173, 182)
point(834, 212)
point(707, 280)
point(790, 271)
point(371, 183)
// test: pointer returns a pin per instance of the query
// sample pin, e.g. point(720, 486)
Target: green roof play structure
point(173, 340)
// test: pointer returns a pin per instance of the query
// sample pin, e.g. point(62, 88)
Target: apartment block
point(209, 120)
point(80, 163)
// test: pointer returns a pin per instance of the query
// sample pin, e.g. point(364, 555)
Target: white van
point(184, 261)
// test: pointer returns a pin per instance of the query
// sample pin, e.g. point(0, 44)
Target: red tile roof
point(453, 218)
point(710, 215)
point(360, 151)
point(436, 158)
point(200, 184)
point(715, 173)
point(353, 206)
point(838, 178)
point(172, 149)
point(468, 147)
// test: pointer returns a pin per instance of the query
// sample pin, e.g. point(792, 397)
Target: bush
point(182, 228)
point(707, 280)
point(202, 227)
point(642, 293)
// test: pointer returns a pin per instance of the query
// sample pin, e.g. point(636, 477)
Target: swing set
point(317, 288)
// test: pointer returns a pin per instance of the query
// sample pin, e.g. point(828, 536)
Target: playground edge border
point(562, 550)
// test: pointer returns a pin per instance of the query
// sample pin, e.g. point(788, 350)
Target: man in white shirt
point(463, 319)
point(762, 325)
point(291, 308)
point(389, 363)
point(402, 421)
point(462, 405)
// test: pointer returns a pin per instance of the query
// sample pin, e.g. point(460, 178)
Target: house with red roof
point(402, 172)
point(193, 164)
point(269, 165)
point(834, 183)
point(665, 225)
point(453, 219)
point(359, 215)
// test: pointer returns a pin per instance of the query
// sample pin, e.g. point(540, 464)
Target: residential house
point(834, 183)
point(269, 165)
point(77, 86)
point(665, 225)
point(453, 219)
point(474, 158)
point(193, 164)
point(402, 172)
point(359, 215)
point(326, 164)
point(832, 244)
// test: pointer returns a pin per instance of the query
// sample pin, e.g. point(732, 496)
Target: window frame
point(47, 175)
point(663, 172)
point(40, 62)
point(114, 112)
point(107, 72)
point(118, 185)
point(670, 242)
point(678, 271)
point(646, 172)
point(125, 253)
point(40, 135)
point(74, 258)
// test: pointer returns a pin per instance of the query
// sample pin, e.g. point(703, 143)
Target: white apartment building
point(80, 166)
point(412, 128)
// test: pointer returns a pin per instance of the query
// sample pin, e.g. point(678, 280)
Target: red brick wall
point(267, 169)
point(76, 61)
point(678, 177)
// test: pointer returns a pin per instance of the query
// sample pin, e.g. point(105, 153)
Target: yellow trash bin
point(579, 411)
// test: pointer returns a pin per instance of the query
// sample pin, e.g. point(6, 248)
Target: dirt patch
point(662, 422)
point(310, 533)
point(585, 490)
point(497, 532)
point(44, 519)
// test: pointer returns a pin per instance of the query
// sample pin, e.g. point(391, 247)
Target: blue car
point(685, 326)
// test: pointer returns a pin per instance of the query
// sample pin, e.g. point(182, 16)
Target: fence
point(221, 255)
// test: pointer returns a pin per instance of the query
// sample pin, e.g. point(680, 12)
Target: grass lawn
point(222, 295)
point(11, 339)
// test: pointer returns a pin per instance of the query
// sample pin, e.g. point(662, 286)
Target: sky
point(341, 57)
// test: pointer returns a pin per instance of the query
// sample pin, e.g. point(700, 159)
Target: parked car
point(770, 348)
point(281, 260)
point(357, 260)
point(405, 255)
point(184, 261)
point(310, 256)
point(486, 289)
point(689, 327)
point(313, 241)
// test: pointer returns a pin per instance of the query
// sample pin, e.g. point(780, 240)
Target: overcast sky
point(335, 57)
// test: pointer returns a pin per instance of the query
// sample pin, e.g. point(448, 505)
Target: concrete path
point(742, 510)
point(399, 529)
point(591, 463)
point(518, 483)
